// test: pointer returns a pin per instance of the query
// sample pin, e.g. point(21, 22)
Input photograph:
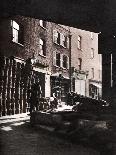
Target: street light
point(60, 84)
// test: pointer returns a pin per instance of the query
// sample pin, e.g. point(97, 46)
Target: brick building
point(86, 63)
point(46, 43)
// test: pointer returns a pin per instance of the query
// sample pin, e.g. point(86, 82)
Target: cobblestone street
point(19, 138)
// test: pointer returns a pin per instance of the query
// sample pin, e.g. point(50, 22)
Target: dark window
point(65, 61)
point(79, 63)
point(58, 59)
point(92, 73)
point(79, 42)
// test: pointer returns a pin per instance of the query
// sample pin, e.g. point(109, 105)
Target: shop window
point(17, 32)
point(42, 47)
point(42, 23)
point(79, 42)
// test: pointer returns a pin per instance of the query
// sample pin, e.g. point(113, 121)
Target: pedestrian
point(53, 101)
point(36, 94)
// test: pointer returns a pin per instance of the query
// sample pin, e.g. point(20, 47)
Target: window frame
point(79, 42)
point(17, 33)
point(42, 23)
point(58, 54)
point(92, 53)
point(92, 73)
point(56, 37)
point(42, 47)
point(80, 63)
point(66, 66)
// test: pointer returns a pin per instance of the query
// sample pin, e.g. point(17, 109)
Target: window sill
point(61, 45)
point(65, 68)
point(80, 49)
point(56, 66)
point(61, 67)
point(43, 27)
point(42, 55)
point(18, 43)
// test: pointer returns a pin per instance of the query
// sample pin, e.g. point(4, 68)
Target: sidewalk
point(19, 138)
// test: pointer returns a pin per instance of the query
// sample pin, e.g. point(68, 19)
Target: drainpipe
point(70, 70)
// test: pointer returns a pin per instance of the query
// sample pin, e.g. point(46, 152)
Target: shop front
point(79, 80)
point(60, 85)
point(95, 89)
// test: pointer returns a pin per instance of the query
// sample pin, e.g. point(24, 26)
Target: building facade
point(86, 63)
point(45, 43)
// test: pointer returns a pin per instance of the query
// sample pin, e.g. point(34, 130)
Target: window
point(79, 42)
point(64, 41)
point(42, 47)
point(92, 36)
point(56, 37)
point(58, 59)
point(92, 73)
point(92, 53)
point(65, 61)
point(67, 42)
point(79, 63)
point(60, 39)
point(42, 23)
point(17, 32)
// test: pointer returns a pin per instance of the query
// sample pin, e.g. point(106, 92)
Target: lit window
point(92, 53)
point(79, 42)
point(42, 23)
point(79, 63)
point(17, 32)
point(42, 47)
point(92, 73)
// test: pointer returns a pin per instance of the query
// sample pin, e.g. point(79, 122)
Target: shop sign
point(79, 76)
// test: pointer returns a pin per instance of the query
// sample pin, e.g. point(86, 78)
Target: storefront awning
point(96, 84)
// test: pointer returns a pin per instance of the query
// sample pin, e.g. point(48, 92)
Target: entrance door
point(80, 87)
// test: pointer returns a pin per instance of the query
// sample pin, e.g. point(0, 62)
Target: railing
point(16, 77)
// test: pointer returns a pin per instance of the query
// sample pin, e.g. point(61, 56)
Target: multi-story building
point(86, 63)
point(46, 43)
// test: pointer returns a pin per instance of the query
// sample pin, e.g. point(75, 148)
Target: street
point(19, 138)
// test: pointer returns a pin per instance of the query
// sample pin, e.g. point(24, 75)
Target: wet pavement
point(17, 137)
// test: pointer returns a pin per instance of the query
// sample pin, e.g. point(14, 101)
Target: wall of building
point(60, 48)
point(85, 52)
point(88, 43)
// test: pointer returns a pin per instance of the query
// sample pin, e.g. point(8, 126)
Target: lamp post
point(60, 85)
